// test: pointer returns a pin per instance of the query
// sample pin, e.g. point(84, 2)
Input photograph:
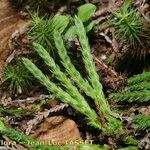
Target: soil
point(54, 120)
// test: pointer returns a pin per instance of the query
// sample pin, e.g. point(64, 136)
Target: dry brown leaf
point(41, 115)
point(145, 142)
point(58, 129)
point(145, 110)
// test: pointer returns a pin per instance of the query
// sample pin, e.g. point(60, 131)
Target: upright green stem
point(71, 70)
point(90, 66)
point(82, 106)
point(114, 125)
point(54, 68)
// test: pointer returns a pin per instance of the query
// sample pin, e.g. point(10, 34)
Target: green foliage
point(86, 11)
point(142, 122)
point(72, 95)
point(89, 64)
point(145, 76)
point(17, 77)
point(130, 140)
point(138, 91)
point(113, 124)
point(71, 70)
point(139, 87)
point(128, 24)
point(72, 90)
point(139, 96)
point(11, 111)
point(75, 75)
point(42, 29)
point(78, 103)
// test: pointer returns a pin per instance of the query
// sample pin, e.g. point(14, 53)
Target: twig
point(112, 72)
point(32, 99)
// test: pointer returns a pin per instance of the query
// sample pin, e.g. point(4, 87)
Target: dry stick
point(33, 99)
point(106, 67)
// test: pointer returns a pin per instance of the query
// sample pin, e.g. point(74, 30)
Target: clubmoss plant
point(128, 25)
point(138, 89)
point(41, 29)
point(11, 111)
point(78, 103)
point(142, 122)
point(143, 96)
point(136, 79)
point(89, 64)
point(17, 77)
point(104, 108)
point(130, 140)
point(73, 97)
point(72, 90)
point(70, 68)
point(132, 30)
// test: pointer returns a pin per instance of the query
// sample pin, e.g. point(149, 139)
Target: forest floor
point(36, 112)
